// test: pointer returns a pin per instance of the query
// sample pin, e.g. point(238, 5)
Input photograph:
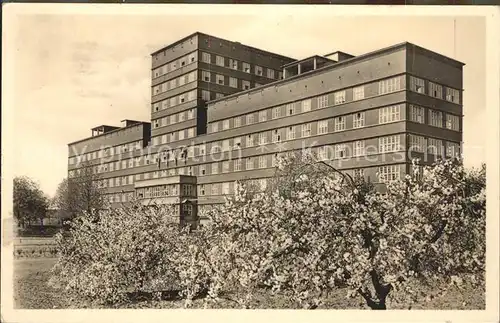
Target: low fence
point(34, 247)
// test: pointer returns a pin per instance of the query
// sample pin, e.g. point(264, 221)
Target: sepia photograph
point(236, 157)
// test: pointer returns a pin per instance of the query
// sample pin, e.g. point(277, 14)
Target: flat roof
point(306, 59)
point(231, 41)
point(337, 64)
point(104, 125)
point(105, 133)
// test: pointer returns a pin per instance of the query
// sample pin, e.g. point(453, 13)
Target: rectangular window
point(290, 109)
point(205, 95)
point(358, 120)
point(322, 127)
point(339, 123)
point(262, 138)
point(452, 122)
point(215, 168)
point(237, 143)
point(417, 114)
point(306, 130)
point(190, 114)
point(219, 96)
point(262, 116)
point(358, 93)
point(225, 188)
point(435, 146)
point(237, 122)
point(249, 163)
point(192, 77)
point(205, 58)
point(389, 144)
point(417, 143)
point(340, 151)
point(182, 116)
point(323, 101)
point(249, 142)
point(233, 64)
point(225, 145)
point(215, 127)
point(417, 85)
point(389, 85)
point(219, 79)
point(290, 133)
point(233, 82)
point(219, 60)
point(246, 68)
point(225, 166)
point(452, 95)
point(339, 97)
point(270, 73)
point(202, 170)
point(452, 149)
point(182, 80)
point(225, 124)
point(249, 118)
point(245, 85)
point(435, 118)
point(306, 105)
point(323, 153)
point(258, 70)
point(262, 161)
point(215, 188)
point(181, 134)
point(388, 173)
point(276, 112)
point(237, 165)
point(276, 135)
point(190, 132)
point(435, 90)
point(202, 150)
point(206, 76)
point(359, 148)
point(389, 114)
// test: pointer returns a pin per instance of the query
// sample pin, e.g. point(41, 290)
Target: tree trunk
point(376, 302)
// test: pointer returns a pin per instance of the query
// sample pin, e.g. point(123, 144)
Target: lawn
point(32, 292)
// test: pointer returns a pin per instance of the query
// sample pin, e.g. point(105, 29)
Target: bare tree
point(82, 194)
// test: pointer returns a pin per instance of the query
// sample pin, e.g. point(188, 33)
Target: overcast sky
point(74, 72)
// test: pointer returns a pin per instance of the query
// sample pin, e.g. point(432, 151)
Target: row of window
point(234, 64)
point(339, 97)
point(176, 64)
point(175, 83)
point(385, 174)
point(434, 90)
point(221, 79)
point(174, 118)
point(175, 100)
point(434, 118)
point(187, 190)
point(292, 108)
point(105, 152)
point(386, 144)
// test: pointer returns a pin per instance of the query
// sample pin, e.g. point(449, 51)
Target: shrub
point(125, 252)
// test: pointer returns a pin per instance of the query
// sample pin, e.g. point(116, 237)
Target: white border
point(10, 13)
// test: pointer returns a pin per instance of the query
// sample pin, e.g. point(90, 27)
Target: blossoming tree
point(317, 229)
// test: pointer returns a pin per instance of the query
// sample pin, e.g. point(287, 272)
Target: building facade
point(223, 112)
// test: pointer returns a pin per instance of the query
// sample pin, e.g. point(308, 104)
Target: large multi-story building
point(222, 112)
